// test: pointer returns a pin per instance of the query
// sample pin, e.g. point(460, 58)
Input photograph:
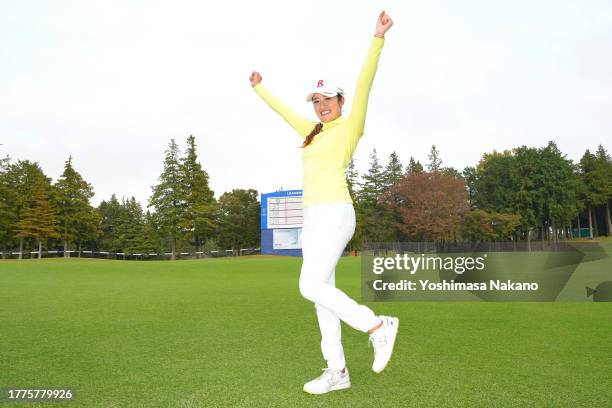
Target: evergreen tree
point(200, 206)
point(22, 177)
point(123, 226)
point(414, 167)
point(469, 175)
point(435, 163)
point(76, 216)
point(132, 228)
point(528, 197)
point(453, 172)
point(87, 231)
point(110, 224)
point(8, 200)
point(169, 198)
point(39, 218)
point(504, 183)
point(372, 185)
point(558, 188)
point(594, 180)
point(537, 184)
point(152, 241)
point(374, 220)
point(352, 178)
point(393, 171)
point(239, 219)
point(495, 182)
point(604, 173)
point(387, 215)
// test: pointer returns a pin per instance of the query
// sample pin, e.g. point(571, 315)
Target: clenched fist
point(383, 23)
point(255, 78)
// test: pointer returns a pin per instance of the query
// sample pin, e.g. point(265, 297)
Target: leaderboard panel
point(285, 212)
point(281, 223)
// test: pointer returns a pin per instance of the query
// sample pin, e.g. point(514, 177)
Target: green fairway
point(235, 332)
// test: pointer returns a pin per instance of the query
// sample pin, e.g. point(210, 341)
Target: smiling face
point(326, 107)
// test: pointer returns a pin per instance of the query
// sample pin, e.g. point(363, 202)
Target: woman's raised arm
point(366, 77)
point(302, 125)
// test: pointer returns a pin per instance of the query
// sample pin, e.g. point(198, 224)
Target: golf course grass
point(235, 332)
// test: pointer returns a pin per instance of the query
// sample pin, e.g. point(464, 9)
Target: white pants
point(327, 229)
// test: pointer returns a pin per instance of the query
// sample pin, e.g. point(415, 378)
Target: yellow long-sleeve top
point(326, 158)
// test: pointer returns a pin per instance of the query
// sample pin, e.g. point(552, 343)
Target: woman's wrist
point(379, 35)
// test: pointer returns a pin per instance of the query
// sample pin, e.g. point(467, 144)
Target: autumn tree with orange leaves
point(430, 204)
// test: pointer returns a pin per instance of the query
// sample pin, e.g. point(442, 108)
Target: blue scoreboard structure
point(281, 223)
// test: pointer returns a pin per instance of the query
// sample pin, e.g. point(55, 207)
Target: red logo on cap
point(320, 83)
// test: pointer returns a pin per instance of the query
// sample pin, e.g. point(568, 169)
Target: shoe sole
point(335, 388)
point(396, 320)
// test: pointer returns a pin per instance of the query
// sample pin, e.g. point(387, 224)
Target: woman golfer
point(329, 217)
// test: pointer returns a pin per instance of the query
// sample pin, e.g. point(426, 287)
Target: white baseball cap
point(326, 88)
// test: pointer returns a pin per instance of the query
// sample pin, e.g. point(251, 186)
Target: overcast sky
point(111, 82)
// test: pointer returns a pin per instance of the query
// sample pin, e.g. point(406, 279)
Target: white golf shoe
point(330, 380)
point(383, 340)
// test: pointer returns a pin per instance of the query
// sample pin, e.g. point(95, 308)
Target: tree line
point(182, 213)
point(516, 195)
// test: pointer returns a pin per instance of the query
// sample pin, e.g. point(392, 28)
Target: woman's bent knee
point(309, 290)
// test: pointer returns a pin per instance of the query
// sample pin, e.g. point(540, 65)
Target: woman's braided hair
point(317, 129)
